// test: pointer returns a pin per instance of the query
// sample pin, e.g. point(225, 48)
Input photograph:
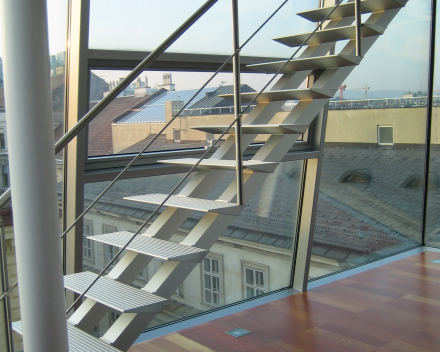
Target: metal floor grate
point(238, 332)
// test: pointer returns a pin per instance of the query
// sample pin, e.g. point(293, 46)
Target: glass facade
point(145, 29)
point(370, 201)
point(253, 256)
point(371, 197)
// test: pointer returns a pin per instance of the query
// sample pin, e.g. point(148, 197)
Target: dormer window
point(357, 175)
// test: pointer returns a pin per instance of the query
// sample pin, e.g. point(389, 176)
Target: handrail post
point(357, 15)
point(237, 101)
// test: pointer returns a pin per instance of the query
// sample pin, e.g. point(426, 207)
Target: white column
point(33, 175)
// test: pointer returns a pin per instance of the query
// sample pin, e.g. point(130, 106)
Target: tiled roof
point(352, 220)
point(100, 129)
point(154, 110)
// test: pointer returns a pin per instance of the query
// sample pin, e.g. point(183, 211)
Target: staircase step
point(288, 94)
point(117, 296)
point(257, 129)
point(346, 10)
point(153, 247)
point(310, 63)
point(218, 164)
point(331, 35)
point(203, 205)
point(79, 341)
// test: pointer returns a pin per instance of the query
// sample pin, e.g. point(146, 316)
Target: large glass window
point(141, 111)
point(251, 257)
point(432, 234)
point(370, 196)
point(132, 25)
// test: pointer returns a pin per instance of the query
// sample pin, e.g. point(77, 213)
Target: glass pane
point(259, 278)
point(268, 221)
point(215, 266)
point(215, 299)
point(250, 292)
point(370, 197)
point(249, 276)
point(208, 296)
point(386, 135)
point(207, 281)
point(207, 262)
point(132, 25)
point(138, 114)
point(215, 284)
point(259, 292)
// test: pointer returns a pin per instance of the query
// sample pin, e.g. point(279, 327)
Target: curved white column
point(33, 175)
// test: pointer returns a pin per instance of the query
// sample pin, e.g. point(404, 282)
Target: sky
point(397, 61)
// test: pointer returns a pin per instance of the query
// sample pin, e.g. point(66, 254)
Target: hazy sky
point(398, 60)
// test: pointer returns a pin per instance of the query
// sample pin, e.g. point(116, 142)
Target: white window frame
point(255, 268)
point(88, 244)
point(211, 275)
point(378, 135)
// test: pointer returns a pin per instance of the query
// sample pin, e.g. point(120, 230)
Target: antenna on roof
point(221, 83)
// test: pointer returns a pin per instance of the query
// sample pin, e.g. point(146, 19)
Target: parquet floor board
point(392, 308)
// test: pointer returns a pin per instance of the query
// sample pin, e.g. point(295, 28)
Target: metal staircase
point(137, 307)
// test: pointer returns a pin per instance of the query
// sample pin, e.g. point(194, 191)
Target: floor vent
point(238, 332)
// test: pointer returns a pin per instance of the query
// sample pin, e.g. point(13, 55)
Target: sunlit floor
point(395, 307)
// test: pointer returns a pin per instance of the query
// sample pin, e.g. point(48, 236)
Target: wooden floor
point(395, 307)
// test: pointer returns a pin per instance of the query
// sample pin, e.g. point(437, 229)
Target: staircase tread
point(257, 129)
point(115, 295)
point(331, 35)
point(287, 94)
point(308, 63)
point(346, 10)
point(256, 165)
point(154, 247)
point(79, 341)
point(204, 205)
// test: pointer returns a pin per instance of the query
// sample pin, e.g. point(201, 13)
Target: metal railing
point(208, 150)
point(383, 103)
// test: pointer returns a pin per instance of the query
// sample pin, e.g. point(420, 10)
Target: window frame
point(254, 267)
point(88, 223)
point(221, 293)
point(378, 135)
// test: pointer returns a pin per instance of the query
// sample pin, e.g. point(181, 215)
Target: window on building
point(2, 141)
point(179, 291)
point(113, 317)
point(211, 281)
point(109, 251)
point(385, 135)
point(177, 138)
point(210, 136)
point(5, 175)
point(88, 250)
point(255, 279)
